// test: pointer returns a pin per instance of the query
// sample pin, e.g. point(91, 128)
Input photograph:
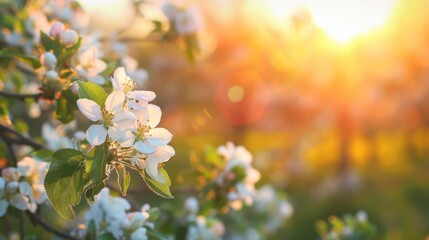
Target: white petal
point(145, 147)
point(162, 154)
point(139, 234)
point(96, 134)
point(115, 101)
point(90, 109)
point(145, 96)
point(19, 201)
point(3, 207)
point(128, 139)
point(141, 164)
point(154, 115)
point(132, 104)
point(2, 183)
point(152, 167)
point(124, 120)
point(25, 188)
point(118, 78)
point(159, 136)
point(97, 79)
point(115, 133)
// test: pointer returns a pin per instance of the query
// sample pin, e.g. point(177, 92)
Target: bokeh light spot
point(236, 94)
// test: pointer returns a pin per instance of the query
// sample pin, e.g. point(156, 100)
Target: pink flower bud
point(69, 37)
point(56, 29)
point(49, 60)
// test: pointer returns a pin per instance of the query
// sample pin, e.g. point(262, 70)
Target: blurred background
point(331, 97)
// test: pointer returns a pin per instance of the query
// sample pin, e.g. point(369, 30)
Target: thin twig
point(48, 227)
point(12, 154)
point(10, 135)
point(21, 97)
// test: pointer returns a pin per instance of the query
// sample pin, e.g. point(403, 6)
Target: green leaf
point(65, 106)
point(156, 235)
point(43, 155)
point(161, 189)
point(92, 91)
point(51, 44)
point(65, 181)
point(124, 179)
point(71, 98)
point(11, 53)
point(63, 111)
point(96, 165)
point(105, 236)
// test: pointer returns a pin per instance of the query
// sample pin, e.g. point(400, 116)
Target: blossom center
point(107, 118)
point(128, 85)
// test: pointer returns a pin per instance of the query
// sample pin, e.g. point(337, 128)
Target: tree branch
point(48, 227)
point(10, 136)
point(21, 97)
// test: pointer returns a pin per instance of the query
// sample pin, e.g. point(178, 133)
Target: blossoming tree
point(56, 69)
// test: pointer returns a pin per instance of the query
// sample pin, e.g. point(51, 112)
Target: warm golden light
point(341, 20)
point(236, 94)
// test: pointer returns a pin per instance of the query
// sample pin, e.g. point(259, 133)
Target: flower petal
point(162, 154)
point(152, 167)
point(96, 134)
point(97, 79)
point(115, 133)
point(145, 96)
point(128, 139)
point(139, 234)
point(124, 120)
point(118, 78)
point(154, 113)
point(90, 109)
point(19, 201)
point(159, 136)
point(145, 147)
point(115, 101)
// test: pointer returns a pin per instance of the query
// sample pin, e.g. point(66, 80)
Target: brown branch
point(21, 97)
point(48, 227)
point(10, 136)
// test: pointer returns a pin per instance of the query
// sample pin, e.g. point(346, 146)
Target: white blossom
point(184, 21)
point(15, 192)
point(112, 120)
point(205, 229)
point(136, 99)
point(90, 66)
point(237, 157)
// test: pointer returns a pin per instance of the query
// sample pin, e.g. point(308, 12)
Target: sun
point(342, 20)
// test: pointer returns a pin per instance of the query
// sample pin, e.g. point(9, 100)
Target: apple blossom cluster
point(184, 21)
point(239, 173)
point(201, 227)
point(22, 187)
point(348, 227)
point(130, 123)
point(273, 208)
point(110, 215)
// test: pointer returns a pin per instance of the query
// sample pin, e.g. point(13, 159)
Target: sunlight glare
point(341, 20)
